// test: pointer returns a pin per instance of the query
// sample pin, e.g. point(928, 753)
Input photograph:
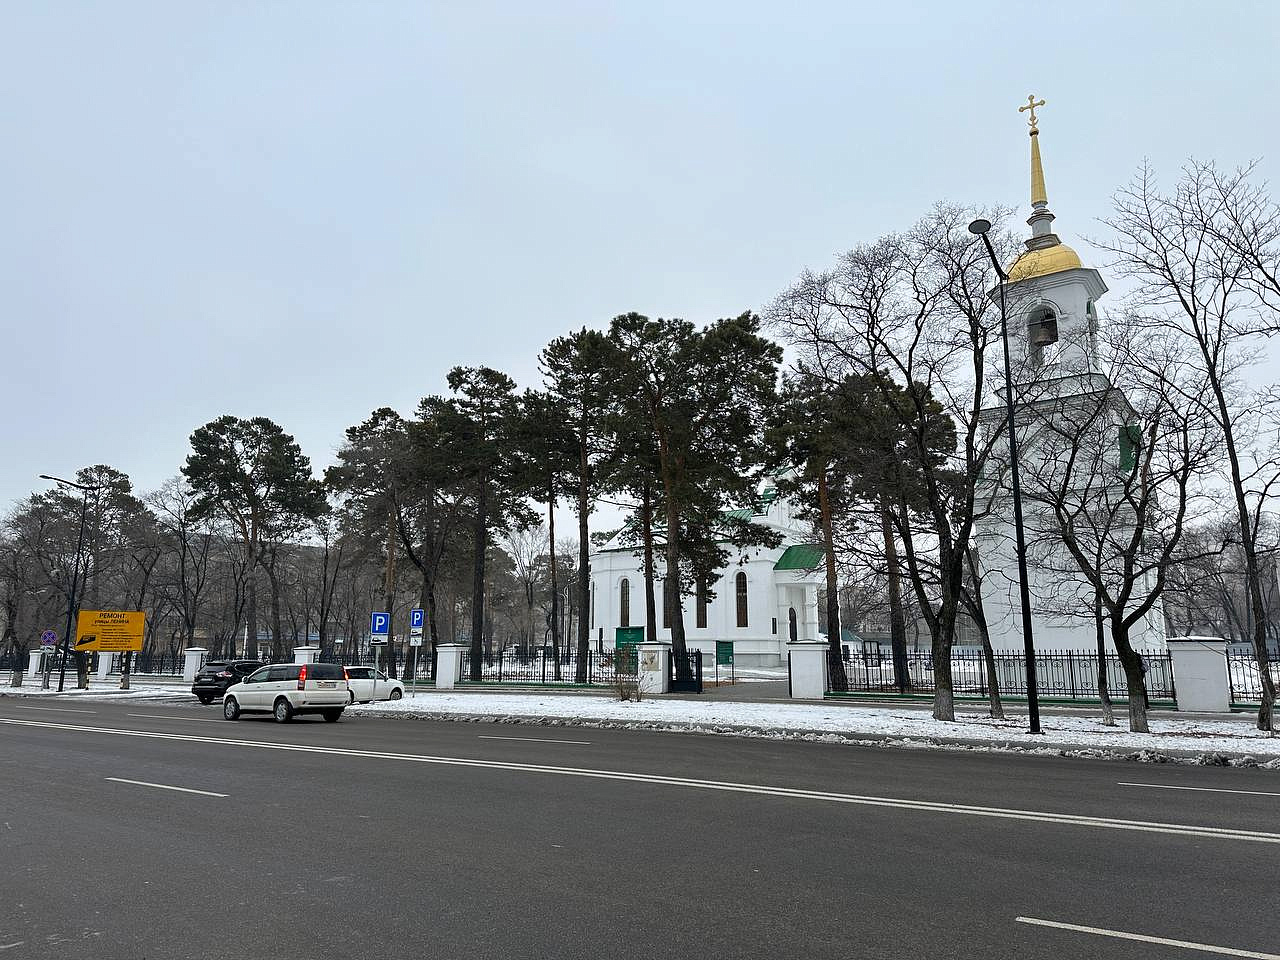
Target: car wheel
point(205, 700)
point(230, 709)
point(396, 694)
point(331, 716)
point(283, 712)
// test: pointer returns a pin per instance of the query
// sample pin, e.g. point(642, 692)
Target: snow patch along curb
point(1049, 749)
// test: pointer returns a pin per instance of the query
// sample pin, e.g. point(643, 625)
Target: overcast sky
point(309, 210)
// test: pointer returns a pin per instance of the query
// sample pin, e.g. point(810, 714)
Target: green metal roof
point(800, 556)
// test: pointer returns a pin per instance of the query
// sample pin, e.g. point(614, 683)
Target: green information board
point(724, 653)
point(628, 636)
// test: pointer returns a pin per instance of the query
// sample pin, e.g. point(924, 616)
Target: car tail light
point(225, 674)
point(302, 677)
point(346, 676)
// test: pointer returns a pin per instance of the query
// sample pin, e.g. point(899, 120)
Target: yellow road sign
point(110, 631)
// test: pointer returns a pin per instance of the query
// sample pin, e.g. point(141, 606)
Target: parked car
point(286, 690)
point(365, 689)
point(214, 677)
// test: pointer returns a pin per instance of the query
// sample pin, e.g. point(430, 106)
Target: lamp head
point(980, 226)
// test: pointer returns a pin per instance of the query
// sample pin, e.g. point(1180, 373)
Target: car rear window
point(213, 666)
point(324, 671)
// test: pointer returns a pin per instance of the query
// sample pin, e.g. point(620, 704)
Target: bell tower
point(1053, 322)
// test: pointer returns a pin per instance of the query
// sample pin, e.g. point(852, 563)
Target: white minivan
point(286, 690)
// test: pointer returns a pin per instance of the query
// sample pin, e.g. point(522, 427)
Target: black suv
point(216, 675)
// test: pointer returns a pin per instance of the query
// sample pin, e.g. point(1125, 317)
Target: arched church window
point(1042, 337)
point(741, 591)
point(624, 605)
point(667, 600)
point(792, 629)
point(701, 603)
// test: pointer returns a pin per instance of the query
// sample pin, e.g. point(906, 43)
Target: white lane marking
point(532, 740)
point(161, 716)
point(165, 786)
point(55, 709)
point(1143, 938)
point(1170, 786)
point(1143, 826)
point(10, 946)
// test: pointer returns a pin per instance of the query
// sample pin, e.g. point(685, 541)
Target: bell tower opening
point(1042, 337)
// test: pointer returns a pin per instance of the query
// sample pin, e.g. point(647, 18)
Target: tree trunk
point(1248, 543)
point(481, 533)
point(277, 637)
point(897, 622)
point(1104, 693)
point(837, 679)
point(671, 593)
point(650, 606)
point(389, 591)
point(1134, 676)
point(584, 570)
point(555, 590)
point(944, 705)
point(251, 606)
point(989, 663)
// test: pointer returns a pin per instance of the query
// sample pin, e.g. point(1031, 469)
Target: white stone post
point(105, 662)
point(35, 662)
point(807, 667)
point(192, 662)
point(1200, 674)
point(449, 664)
point(654, 666)
point(307, 654)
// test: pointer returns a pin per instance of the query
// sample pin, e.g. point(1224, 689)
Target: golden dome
point(1039, 263)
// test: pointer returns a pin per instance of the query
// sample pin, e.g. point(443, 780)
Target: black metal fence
point(1063, 674)
point(541, 666)
point(1245, 678)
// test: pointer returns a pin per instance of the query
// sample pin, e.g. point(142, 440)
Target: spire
point(1038, 196)
point(1041, 218)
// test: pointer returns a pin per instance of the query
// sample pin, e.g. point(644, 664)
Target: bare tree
point(1204, 259)
point(913, 312)
point(1113, 466)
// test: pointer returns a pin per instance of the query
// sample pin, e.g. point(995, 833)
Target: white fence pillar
point(105, 663)
point(1200, 674)
point(449, 664)
point(193, 660)
point(654, 665)
point(807, 667)
point(35, 662)
point(306, 654)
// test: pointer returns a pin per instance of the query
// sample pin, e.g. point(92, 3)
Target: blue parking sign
point(415, 619)
point(380, 624)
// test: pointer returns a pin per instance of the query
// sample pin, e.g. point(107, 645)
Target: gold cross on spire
point(1031, 105)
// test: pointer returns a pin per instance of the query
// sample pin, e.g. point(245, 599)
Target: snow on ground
point(109, 690)
point(874, 723)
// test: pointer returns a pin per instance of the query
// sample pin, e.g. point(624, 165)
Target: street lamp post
point(85, 490)
point(981, 227)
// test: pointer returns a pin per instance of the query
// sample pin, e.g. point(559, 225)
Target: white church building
point(1053, 324)
point(763, 598)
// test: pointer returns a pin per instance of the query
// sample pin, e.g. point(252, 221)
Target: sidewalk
point(1203, 738)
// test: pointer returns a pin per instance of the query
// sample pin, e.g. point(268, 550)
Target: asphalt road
point(392, 838)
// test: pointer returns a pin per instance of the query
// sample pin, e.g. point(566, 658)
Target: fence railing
point(1244, 677)
point(1065, 674)
point(541, 666)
